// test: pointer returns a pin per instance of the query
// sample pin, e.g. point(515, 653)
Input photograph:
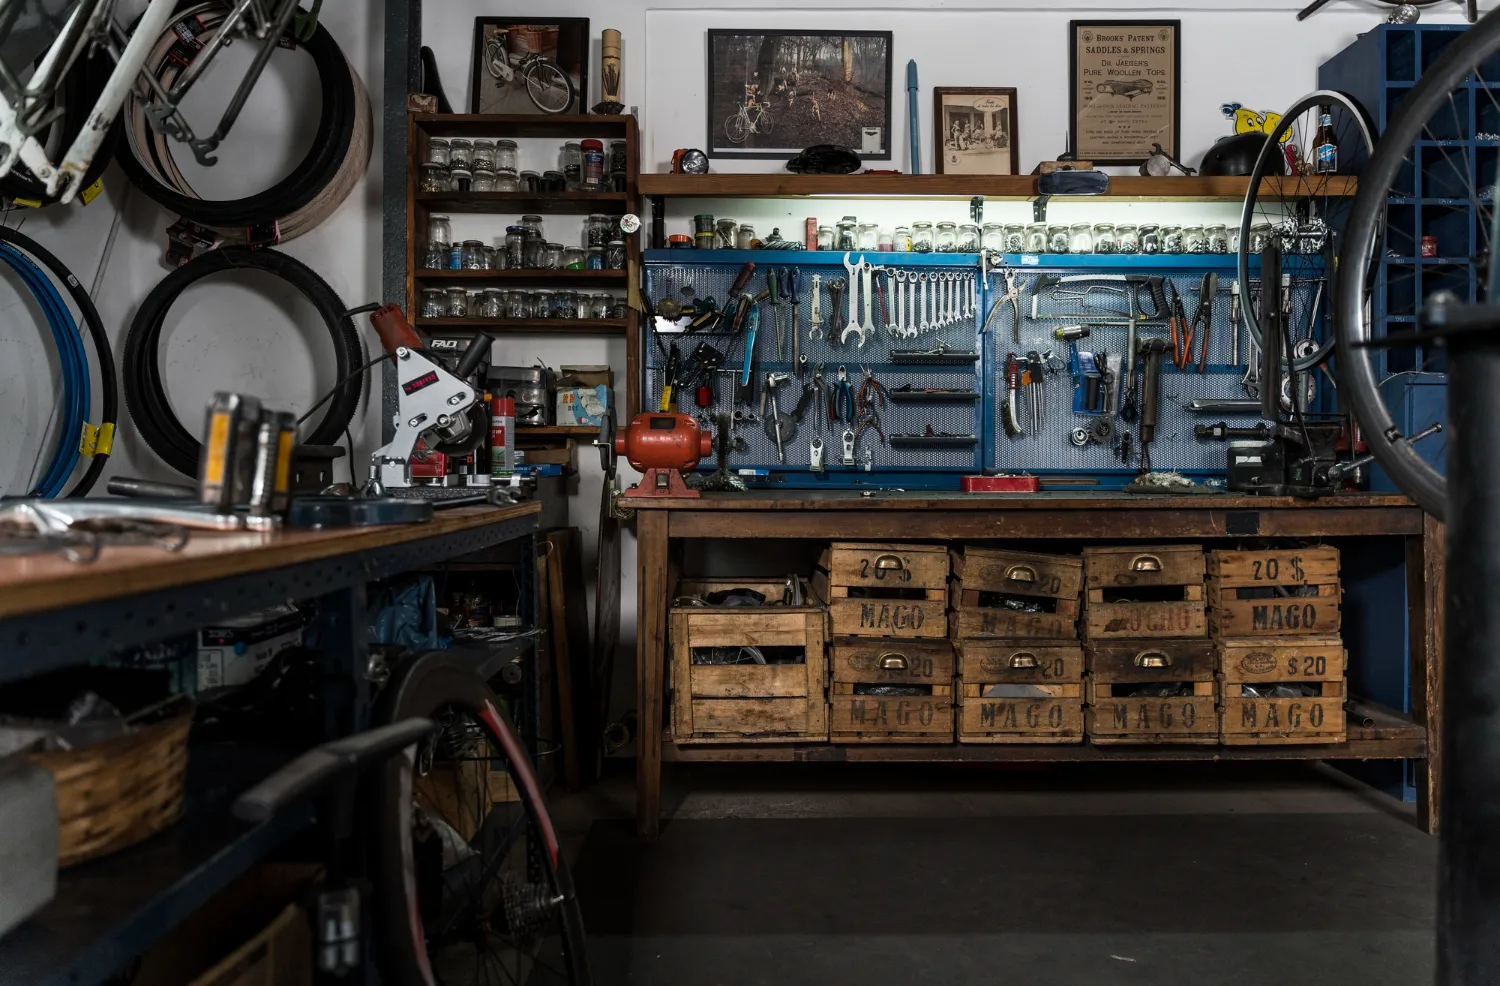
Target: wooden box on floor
point(1020, 691)
point(1144, 591)
point(1258, 663)
point(1118, 710)
point(1286, 591)
point(884, 590)
point(747, 703)
point(982, 575)
point(863, 667)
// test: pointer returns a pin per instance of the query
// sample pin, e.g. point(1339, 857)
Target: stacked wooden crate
point(892, 678)
point(1275, 619)
point(1150, 662)
point(780, 701)
point(1014, 625)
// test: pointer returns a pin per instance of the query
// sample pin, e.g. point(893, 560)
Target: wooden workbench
point(662, 522)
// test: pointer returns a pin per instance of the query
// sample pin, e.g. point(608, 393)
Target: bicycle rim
point(1443, 97)
point(735, 129)
point(763, 123)
point(549, 88)
point(470, 884)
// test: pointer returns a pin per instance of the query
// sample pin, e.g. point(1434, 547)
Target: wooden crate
point(1117, 719)
point(888, 566)
point(1053, 717)
point(1135, 661)
point(1278, 566)
point(1251, 611)
point(747, 703)
point(1249, 721)
point(855, 718)
point(1110, 573)
point(892, 662)
point(968, 620)
point(1019, 662)
point(884, 590)
point(1018, 573)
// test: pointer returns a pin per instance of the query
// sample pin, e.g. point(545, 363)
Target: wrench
point(835, 299)
point(952, 298)
point(898, 277)
point(867, 276)
point(815, 320)
point(924, 326)
point(969, 296)
point(853, 325)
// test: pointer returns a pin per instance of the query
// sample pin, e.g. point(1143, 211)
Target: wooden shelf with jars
point(421, 204)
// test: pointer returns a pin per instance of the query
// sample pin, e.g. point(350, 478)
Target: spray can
point(502, 436)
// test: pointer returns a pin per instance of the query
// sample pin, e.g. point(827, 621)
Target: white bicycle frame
point(92, 22)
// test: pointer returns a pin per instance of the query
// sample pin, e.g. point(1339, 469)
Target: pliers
point(1207, 288)
point(868, 419)
point(1181, 331)
point(1012, 297)
point(841, 407)
point(870, 390)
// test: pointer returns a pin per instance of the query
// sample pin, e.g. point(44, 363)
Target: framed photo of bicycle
point(1125, 89)
point(530, 65)
point(974, 129)
point(773, 93)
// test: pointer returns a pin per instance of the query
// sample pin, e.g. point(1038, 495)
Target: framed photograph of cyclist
point(530, 65)
point(1125, 89)
point(974, 129)
point(773, 93)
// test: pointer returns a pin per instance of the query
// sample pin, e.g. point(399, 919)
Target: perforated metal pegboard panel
point(1174, 446)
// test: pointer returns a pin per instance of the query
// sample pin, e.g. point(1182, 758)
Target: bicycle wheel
point(470, 886)
point(1303, 211)
point(764, 124)
point(1456, 92)
point(549, 87)
point(736, 128)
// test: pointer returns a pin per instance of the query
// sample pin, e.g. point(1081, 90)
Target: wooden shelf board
point(571, 326)
point(523, 125)
point(524, 430)
point(518, 203)
point(964, 186)
point(524, 275)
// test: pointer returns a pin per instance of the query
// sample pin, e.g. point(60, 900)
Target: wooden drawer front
point(1190, 719)
point(1018, 662)
point(1056, 717)
point(888, 617)
point(773, 589)
point(1231, 615)
point(741, 720)
point(751, 681)
point(1187, 618)
point(1147, 564)
point(1020, 573)
point(886, 566)
point(882, 718)
point(1282, 566)
point(1293, 659)
point(1248, 721)
point(970, 620)
point(1152, 660)
point(893, 661)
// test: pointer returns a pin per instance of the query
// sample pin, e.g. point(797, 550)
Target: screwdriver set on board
point(911, 370)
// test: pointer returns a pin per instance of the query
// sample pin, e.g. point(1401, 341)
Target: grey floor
point(1203, 874)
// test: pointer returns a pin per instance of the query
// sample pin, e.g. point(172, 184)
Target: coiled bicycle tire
point(145, 395)
point(296, 203)
point(80, 90)
point(108, 391)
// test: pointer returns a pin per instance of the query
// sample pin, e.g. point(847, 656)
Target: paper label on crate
point(1030, 260)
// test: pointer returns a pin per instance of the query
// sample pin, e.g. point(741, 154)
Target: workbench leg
point(339, 631)
point(650, 658)
point(1426, 593)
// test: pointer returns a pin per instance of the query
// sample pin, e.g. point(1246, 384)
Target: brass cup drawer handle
point(1145, 563)
point(1023, 659)
point(893, 662)
point(1153, 659)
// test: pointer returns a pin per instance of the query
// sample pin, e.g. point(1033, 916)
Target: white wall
point(235, 337)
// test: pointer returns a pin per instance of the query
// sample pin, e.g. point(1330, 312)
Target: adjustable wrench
point(867, 285)
point(924, 325)
point(815, 320)
point(853, 325)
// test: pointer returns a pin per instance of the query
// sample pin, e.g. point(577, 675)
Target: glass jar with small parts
point(484, 154)
point(434, 305)
point(1015, 238)
point(516, 306)
point(572, 165)
point(532, 246)
point(868, 237)
point(945, 237)
point(595, 259)
point(1150, 238)
point(541, 303)
point(724, 230)
point(968, 238)
point(515, 237)
point(507, 157)
point(1057, 239)
point(992, 238)
point(901, 239)
point(596, 230)
point(1081, 238)
point(434, 255)
point(552, 255)
point(458, 303)
point(439, 228)
point(483, 181)
point(921, 237)
point(574, 258)
point(1104, 238)
point(473, 257)
point(617, 164)
point(437, 151)
point(1036, 238)
point(434, 178)
point(1171, 239)
point(533, 223)
point(744, 237)
point(845, 231)
point(494, 259)
point(530, 181)
point(489, 303)
point(564, 304)
point(460, 152)
point(1128, 239)
point(614, 255)
point(599, 306)
point(1217, 239)
point(1194, 240)
point(460, 179)
point(1260, 237)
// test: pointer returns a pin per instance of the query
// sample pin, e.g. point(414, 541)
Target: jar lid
point(674, 238)
point(460, 140)
point(622, 242)
point(572, 143)
point(483, 141)
point(469, 243)
point(531, 219)
point(436, 217)
point(518, 230)
point(705, 216)
point(437, 140)
point(505, 142)
point(592, 145)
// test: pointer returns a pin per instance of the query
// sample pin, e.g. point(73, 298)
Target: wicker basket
point(114, 794)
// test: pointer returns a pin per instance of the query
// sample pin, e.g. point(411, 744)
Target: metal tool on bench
point(661, 447)
point(815, 309)
point(790, 276)
point(1011, 297)
point(779, 426)
point(1151, 351)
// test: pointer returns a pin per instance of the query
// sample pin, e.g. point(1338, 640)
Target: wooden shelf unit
point(421, 126)
point(968, 186)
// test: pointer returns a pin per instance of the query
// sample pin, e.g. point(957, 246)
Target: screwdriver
point(674, 363)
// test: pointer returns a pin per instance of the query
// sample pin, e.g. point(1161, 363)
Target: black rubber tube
point(339, 105)
point(109, 399)
point(146, 397)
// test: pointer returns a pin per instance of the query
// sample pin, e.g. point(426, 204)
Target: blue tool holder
point(937, 465)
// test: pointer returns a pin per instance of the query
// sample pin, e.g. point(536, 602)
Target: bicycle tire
point(81, 88)
point(736, 125)
point(145, 395)
point(557, 74)
point(1271, 161)
point(765, 123)
point(433, 682)
point(1358, 384)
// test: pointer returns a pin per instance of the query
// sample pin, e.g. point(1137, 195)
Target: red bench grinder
point(661, 447)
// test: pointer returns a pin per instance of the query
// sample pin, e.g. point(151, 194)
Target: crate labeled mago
point(1285, 591)
point(891, 690)
point(884, 590)
point(1151, 691)
point(1144, 591)
point(747, 674)
point(1013, 594)
point(1282, 691)
point(1020, 691)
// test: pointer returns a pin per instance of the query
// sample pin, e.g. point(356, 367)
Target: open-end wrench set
point(894, 369)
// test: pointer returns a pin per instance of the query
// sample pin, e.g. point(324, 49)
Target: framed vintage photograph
point(772, 93)
point(974, 130)
point(530, 65)
point(1125, 81)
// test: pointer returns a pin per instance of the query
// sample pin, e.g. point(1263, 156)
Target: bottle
point(502, 436)
point(1325, 145)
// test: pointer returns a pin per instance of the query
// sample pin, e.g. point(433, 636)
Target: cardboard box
point(235, 651)
point(583, 394)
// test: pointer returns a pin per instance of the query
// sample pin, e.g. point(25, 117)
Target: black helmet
point(1233, 155)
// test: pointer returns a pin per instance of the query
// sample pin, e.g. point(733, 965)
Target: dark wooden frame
point(662, 524)
point(938, 92)
point(1073, 28)
point(476, 69)
point(890, 58)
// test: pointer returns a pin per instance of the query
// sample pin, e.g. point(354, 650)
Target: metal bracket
point(1039, 208)
point(976, 210)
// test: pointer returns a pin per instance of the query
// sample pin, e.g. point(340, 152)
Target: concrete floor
point(1162, 874)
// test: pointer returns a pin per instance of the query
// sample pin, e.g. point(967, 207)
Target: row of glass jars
point(1095, 238)
point(524, 246)
point(533, 303)
point(458, 164)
